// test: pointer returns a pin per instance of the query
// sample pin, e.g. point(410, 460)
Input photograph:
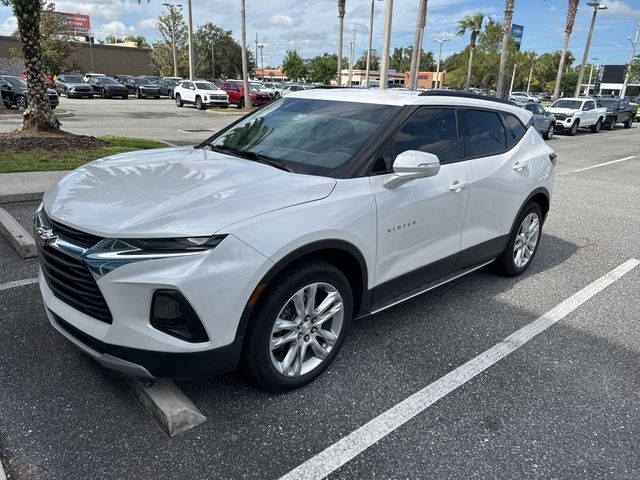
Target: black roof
point(454, 93)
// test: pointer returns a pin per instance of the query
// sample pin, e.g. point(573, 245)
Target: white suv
point(200, 93)
point(261, 244)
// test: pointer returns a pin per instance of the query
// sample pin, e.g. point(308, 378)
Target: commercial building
point(608, 80)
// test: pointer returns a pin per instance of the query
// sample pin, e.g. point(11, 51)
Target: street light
point(386, 44)
point(634, 44)
point(596, 6)
point(593, 60)
point(261, 46)
point(440, 41)
point(172, 7)
point(366, 77)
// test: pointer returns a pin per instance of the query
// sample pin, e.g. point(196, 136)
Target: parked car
point(523, 97)
point(14, 93)
point(126, 81)
point(276, 87)
point(544, 96)
point(261, 244)
point(618, 111)
point(544, 121)
point(72, 86)
point(166, 86)
point(108, 87)
point(87, 76)
point(47, 79)
point(574, 113)
point(143, 87)
point(177, 79)
point(201, 94)
point(235, 90)
point(295, 88)
point(262, 88)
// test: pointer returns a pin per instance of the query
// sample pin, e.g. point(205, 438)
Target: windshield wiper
point(249, 155)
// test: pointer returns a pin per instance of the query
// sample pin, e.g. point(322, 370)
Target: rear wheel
point(241, 104)
point(522, 244)
point(104, 93)
point(299, 326)
point(139, 94)
point(199, 104)
point(612, 123)
point(125, 96)
point(596, 128)
point(574, 128)
point(21, 102)
point(178, 100)
point(628, 123)
point(156, 96)
point(548, 135)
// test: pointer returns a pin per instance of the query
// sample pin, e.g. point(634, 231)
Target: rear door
point(187, 92)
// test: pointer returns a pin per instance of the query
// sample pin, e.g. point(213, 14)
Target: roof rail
point(454, 93)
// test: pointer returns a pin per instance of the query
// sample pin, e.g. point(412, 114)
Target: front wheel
point(522, 244)
point(612, 124)
point(104, 93)
point(574, 129)
point(628, 123)
point(596, 128)
point(548, 135)
point(299, 326)
point(178, 100)
point(21, 102)
point(241, 104)
point(139, 94)
point(199, 104)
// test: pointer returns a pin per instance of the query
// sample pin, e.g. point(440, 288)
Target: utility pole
point(213, 62)
point(93, 68)
point(513, 77)
point(245, 66)
point(261, 46)
point(440, 41)
point(351, 46)
point(257, 44)
point(366, 77)
point(596, 6)
point(386, 44)
point(634, 44)
point(190, 31)
point(172, 15)
point(591, 75)
point(417, 44)
point(530, 75)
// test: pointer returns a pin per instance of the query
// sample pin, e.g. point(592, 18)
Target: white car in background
point(523, 97)
point(200, 93)
point(276, 87)
point(262, 88)
point(295, 88)
point(261, 244)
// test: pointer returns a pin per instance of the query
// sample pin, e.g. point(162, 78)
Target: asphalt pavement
point(565, 405)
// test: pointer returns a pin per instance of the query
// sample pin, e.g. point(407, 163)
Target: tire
point(628, 123)
point(171, 94)
point(199, 104)
point(21, 102)
point(224, 106)
point(125, 96)
point(139, 94)
point(574, 128)
point(596, 128)
point(612, 124)
point(156, 97)
point(178, 100)
point(241, 104)
point(104, 93)
point(263, 363)
point(66, 92)
point(276, 96)
point(548, 135)
point(507, 264)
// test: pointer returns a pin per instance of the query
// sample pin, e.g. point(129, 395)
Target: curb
point(66, 114)
point(17, 236)
point(3, 476)
point(21, 197)
point(229, 111)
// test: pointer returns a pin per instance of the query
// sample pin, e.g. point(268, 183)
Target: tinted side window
point(428, 130)
point(485, 134)
point(532, 107)
point(515, 129)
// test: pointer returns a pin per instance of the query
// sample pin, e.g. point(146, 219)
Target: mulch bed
point(25, 141)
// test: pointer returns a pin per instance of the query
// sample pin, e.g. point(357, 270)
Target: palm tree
point(473, 24)
point(506, 31)
point(341, 11)
point(38, 116)
point(572, 9)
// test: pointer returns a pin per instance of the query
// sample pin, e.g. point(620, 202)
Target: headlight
point(569, 115)
point(173, 245)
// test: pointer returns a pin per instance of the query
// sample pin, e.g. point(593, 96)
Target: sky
point(311, 26)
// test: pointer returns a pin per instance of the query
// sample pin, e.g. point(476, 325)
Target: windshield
point(106, 81)
point(16, 82)
point(73, 79)
point(609, 101)
point(572, 104)
point(142, 81)
point(253, 87)
point(206, 86)
point(315, 137)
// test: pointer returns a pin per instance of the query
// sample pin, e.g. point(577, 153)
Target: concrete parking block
point(27, 186)
point(17, 236)
point(168, 405)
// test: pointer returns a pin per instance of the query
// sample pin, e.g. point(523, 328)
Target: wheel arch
point(342, 254)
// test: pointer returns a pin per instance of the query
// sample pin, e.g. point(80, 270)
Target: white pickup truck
point(574, 113)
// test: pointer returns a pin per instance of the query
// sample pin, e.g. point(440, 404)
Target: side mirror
point(412, 164)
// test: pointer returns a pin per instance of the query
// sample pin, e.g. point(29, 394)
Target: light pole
point(417, 45)
point(513, 77)
point(213, 62)
point(366, 77)
point(190, 31)
point(351, 46)
point(245, 68)
point(172, 12)
point(440, 41)
point(257, 45)
point(590, 75)
point(634, 44)
point(596, 6)
point(261, 46)
point(386, 44)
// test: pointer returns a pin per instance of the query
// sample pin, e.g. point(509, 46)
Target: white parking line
point(18, 283)
point(605, 163)
point(358, 441)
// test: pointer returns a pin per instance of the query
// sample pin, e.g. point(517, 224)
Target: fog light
point(172, 314)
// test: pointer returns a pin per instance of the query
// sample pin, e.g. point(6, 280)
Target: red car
point(47, 79)
point(235, 90)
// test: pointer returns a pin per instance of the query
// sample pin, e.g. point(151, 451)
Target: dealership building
point(609, 80)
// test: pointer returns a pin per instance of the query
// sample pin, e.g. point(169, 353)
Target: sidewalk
point(27, 186)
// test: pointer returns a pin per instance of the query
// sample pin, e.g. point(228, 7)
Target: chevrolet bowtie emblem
point(45, 236)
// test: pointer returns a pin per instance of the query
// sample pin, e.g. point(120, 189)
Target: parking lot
point(564, 403)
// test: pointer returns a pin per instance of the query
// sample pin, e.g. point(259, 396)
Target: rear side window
point(431, 130)
point(485, 134)
point(515, 129)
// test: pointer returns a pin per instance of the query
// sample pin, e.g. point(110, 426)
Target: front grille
point(73, 236)
point(71, 281)
point(559, 116)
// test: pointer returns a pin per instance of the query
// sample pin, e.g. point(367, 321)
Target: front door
point(419, 222)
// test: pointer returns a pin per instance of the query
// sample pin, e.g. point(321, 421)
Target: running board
point(420, 290)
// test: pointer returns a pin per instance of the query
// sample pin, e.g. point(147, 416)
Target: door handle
point(519, 166)
point(457, 186)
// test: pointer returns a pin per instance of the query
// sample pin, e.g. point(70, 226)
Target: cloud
point(619, 8)
point(282, 20)
point(99, 9)
point(8, 26)
point(147, 24)
point(117, 28)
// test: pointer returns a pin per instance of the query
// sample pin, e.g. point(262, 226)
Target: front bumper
point(213, 101)
point(564, 124)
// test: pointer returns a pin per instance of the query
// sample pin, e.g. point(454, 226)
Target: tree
point(506, 31)
point(227, 53)
point(322, 68)
point(57, 45)
point(472, 24)
point(361, 63)
point(38, 116)
point(162, 55)
point(634, 71)
point(141, 42)
point(294, 66)
point(572, 9)
point(401, 60)
point(341, 12)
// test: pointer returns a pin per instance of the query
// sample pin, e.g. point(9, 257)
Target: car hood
point(174, 192)
point(75, 85)
point(564, 111)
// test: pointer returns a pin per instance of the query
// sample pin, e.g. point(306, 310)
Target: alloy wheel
point(306, 329)
point(21, 103)
point(526, 240)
